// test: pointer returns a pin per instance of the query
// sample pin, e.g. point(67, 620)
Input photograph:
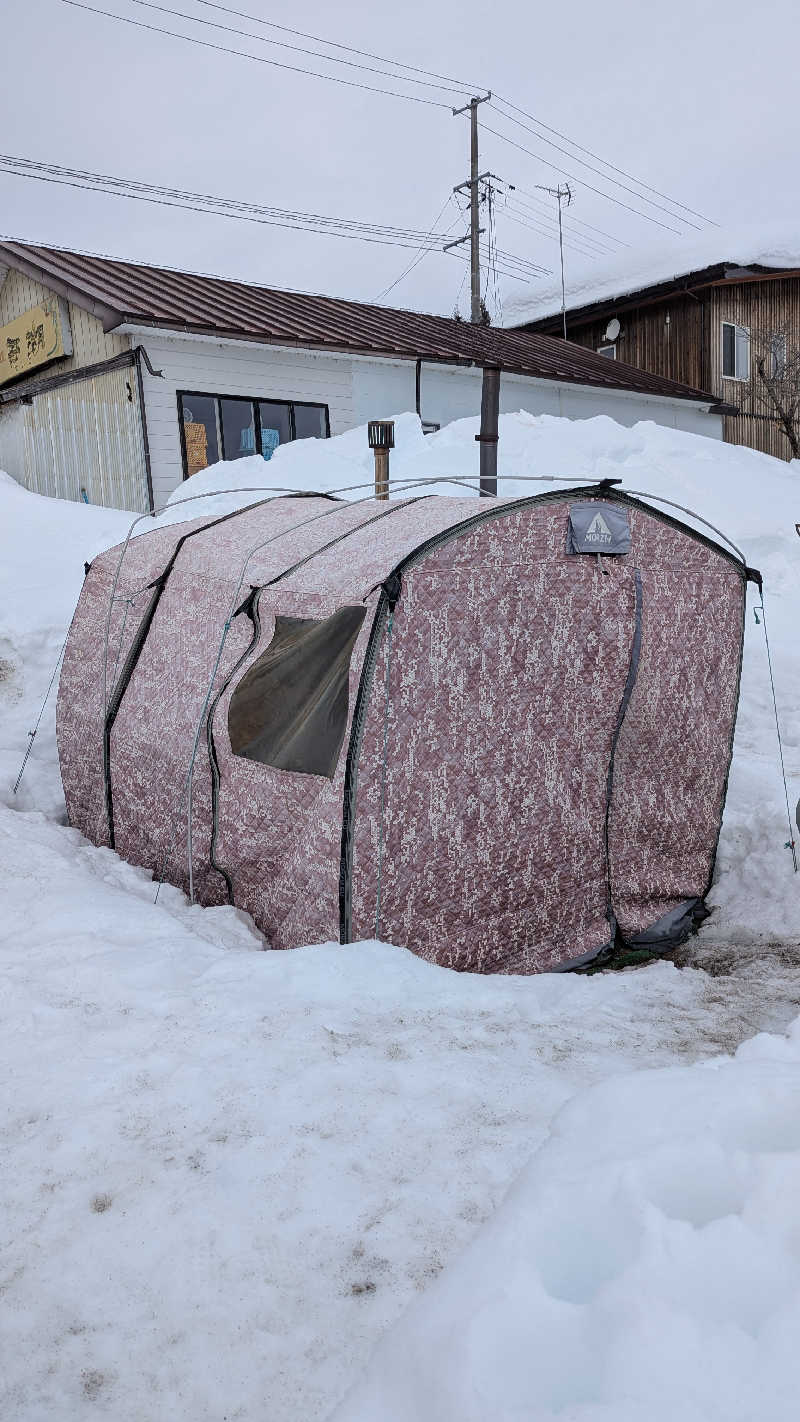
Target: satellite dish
point(612, 329)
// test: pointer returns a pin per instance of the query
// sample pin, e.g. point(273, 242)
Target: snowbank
point(776, 245)
point(227, 1172)
point(646, 1264)
point(44, 544)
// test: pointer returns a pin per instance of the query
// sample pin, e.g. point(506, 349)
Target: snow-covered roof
point(777, 247)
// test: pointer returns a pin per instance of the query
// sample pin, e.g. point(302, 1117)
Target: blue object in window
point(248, 441)
point(270, 439)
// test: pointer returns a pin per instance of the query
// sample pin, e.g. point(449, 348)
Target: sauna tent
point(496, 732)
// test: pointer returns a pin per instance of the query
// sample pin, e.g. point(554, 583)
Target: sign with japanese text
point(33, 339)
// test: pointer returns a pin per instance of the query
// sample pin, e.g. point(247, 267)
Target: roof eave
point(132, 322)
point(106, 315)
point(720, 274)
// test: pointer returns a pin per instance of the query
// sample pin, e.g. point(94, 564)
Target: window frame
point(610, 346)
point(280, 713)
point(254, 400)
point(737, 331)
point(778, 362)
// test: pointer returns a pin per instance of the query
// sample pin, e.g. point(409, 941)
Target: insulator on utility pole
point(473, 184)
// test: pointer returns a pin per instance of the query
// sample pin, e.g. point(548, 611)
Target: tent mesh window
point(290, 709)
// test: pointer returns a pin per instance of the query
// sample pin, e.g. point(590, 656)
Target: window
point(777, 355)
point(310, 422)
point(276, 426)
point(201, 440)
point(609, 351)
point(238, 428)
point(290, 709)
point(229, 427)
point(735, 351)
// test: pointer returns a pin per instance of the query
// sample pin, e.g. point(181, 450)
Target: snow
point(769, 245)
point(245, 1184)
point(645, 1264)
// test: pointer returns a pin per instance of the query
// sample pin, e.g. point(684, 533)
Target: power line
point(534, 267)
point(458, 294)
point(218, 207)
point(431, 244)
point(457, 85)
point(520, 193)
point(583, 164)
point(432, 79)
point(521, 218)
point(256, 58)
point(539, 158)
point(507, 104)
point(373, 233)
point(551, 236)
point(298, 49)
point(523, 277)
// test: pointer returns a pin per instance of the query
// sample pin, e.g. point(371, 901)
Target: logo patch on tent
point(598, 528)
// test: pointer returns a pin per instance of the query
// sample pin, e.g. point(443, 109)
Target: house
point(118, 380)
point(704, 323)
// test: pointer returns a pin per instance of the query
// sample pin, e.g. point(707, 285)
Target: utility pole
point(560, 194)
point(473, 184)
point(487, 439)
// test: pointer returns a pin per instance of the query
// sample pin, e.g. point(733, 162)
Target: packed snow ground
point(228, 1172)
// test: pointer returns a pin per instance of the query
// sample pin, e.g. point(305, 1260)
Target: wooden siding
point(688, 347)
point(672, 347)
point(90, 342)
point(763, 307)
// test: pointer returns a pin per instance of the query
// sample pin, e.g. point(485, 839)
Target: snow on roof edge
point(778, 247)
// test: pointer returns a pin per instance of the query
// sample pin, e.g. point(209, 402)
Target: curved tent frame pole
point(461, 480)
point(640, 494)
point(466, 480)
point(192, 498)
point(188, 787)
point(401, 486)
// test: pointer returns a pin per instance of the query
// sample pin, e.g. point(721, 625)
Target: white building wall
point(357, 389)
point(383, 389)
point(232, 368)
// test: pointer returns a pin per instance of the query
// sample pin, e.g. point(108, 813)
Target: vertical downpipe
point(143, 422)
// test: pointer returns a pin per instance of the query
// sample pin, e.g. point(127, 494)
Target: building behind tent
point(705, 327)
point(119, 380)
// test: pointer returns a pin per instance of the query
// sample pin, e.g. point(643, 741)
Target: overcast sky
point(697, 100)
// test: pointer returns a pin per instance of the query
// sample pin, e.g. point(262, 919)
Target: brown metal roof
point(120, 292)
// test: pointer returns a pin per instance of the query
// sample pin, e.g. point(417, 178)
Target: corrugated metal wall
point(12, 440)
point(88, 437)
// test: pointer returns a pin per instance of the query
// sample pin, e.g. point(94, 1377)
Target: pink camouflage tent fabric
point(495, 732)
